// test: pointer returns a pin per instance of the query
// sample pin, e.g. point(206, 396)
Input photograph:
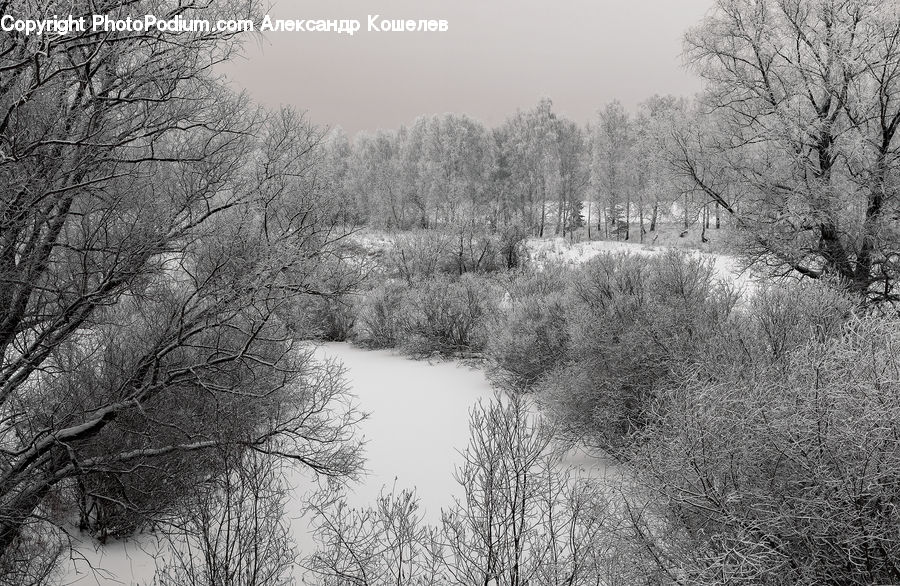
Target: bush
point(786, 316)
point(775, 321)
point(531, 338)
point(454, 250)
point(447, 316)
point(525, 517)
point(512, 246)
point(420, 254)
point(548, 279)
point(235, 530)
point(328, 318)
point(324, 309)
point(378, 316)
point(635, 322)
point(787, 476)
point(438, 315)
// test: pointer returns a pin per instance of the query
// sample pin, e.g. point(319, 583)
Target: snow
point(562, 251)
point(417, 427)
point(418, 422)
point(129, 562)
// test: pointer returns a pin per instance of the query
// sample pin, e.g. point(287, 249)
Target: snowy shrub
point(530, 338)
point(420, 254)
point(476, 250)
point(786, 476)
point(452, 250)
point(447, 316)
point(551, 278)
point(634, 323)
point(786, 316)
point(513, 250)
point(328, 318)
point(378, 315)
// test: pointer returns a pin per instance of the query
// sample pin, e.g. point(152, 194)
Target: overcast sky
point(498, 55)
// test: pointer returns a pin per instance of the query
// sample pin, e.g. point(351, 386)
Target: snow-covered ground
point(418, 424)
point(560, 250)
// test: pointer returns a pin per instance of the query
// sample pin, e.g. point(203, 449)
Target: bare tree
point(524, 518)
point(152, 226)
point(232, 530)
point(381, 545)
point(807, 106)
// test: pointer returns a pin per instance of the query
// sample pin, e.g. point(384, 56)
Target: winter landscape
point(244, 347)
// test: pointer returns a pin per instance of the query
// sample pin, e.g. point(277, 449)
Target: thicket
point(454, 250)
point(789, 464)
point(596, 341)
point(757, 429)
point(433, 292)
point(525, 517)
point(437, 315)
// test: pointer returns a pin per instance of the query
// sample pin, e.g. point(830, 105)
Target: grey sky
point(499, 55)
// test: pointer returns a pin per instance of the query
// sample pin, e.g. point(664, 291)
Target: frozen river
point(417, 424)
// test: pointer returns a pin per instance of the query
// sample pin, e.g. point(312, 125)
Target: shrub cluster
point(597, 342)
point(455, 250)
point(438, 315)
point(790, 464)
point(761, 429)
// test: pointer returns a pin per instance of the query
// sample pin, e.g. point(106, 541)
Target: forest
point(538, 172)
point(171, 252)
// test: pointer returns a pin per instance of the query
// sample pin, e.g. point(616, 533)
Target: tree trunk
point(589, 220)
point(627, 218)
point(21, 509)
point(543, 217)
point(641, 219)
point(612, 220)
point(705, 223)
point(605, 218)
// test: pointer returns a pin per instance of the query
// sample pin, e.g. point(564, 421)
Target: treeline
point(538, 170)
point(793, 142)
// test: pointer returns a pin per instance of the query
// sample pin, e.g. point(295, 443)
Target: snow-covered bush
point(634, 322)
point(530, 338)
point(378, 315)
point(453, 250)
point(447, 316)
point(781, 476)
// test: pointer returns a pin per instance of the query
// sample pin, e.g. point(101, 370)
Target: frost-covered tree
point(574, 175)
point(456, 161)
point(656, 184)
point(611, 168)
point(806, 98)
point(152, 227)
point(525, 518)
